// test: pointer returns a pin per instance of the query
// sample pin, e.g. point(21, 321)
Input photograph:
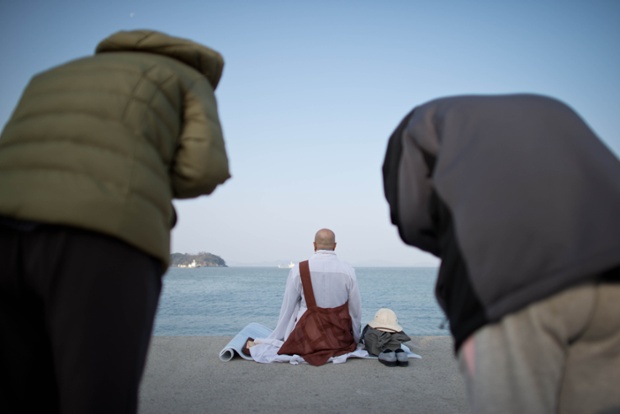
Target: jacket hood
point(205, 60)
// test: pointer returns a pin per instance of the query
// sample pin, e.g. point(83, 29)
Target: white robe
point(333, 282)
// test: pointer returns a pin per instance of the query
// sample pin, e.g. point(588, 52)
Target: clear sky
point(312, 90)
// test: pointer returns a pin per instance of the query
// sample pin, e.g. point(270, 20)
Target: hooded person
point(519, 199)
point(90, 161)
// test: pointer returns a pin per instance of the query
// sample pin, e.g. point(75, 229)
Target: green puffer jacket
point(105, 142)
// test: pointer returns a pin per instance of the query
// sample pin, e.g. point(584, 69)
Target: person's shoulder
point(347, 266)
point(345, 263)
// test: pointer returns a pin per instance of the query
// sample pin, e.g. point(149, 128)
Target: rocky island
point(202, 259)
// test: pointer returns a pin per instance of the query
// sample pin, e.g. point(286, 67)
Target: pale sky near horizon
point(312, 90)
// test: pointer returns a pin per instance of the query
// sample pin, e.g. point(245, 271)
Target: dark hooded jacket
point(528, 193)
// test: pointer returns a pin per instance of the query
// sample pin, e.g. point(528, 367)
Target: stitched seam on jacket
point(86, 143)
point(135, 191)
point(130, 98)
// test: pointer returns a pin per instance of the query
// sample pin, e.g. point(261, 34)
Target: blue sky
point(312, 90)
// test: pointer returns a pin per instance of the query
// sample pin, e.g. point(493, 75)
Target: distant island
point(202, 259)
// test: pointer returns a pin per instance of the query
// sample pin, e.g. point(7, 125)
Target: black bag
point(377, 341)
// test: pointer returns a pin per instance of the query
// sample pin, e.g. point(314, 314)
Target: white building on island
point(191, 265)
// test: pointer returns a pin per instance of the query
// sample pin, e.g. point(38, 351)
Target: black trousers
point(76, 317)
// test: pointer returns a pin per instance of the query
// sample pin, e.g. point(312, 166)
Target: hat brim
point(381, 327)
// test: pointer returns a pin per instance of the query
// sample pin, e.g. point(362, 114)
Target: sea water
point(220, 301)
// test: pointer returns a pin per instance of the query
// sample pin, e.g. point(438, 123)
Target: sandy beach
point(185, 375)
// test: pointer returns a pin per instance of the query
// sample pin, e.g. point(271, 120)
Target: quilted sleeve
point(201, 162)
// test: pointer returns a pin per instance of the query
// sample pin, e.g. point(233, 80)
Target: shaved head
point(325, 239)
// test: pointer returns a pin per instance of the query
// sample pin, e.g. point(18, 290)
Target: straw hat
point(385, 320)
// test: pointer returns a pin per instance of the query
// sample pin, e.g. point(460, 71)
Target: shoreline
point(184, 374)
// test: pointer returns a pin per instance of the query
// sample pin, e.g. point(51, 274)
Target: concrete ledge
point(185, 375)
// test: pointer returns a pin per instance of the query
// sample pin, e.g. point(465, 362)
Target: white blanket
point(266, 350)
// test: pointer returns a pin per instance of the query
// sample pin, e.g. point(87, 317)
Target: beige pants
point(559, 355)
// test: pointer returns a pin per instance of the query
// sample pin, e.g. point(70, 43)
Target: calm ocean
point(220, 301)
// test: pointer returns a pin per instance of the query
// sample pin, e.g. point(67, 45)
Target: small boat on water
point(289, 265)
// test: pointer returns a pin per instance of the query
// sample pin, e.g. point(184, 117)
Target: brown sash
point(320, 333)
